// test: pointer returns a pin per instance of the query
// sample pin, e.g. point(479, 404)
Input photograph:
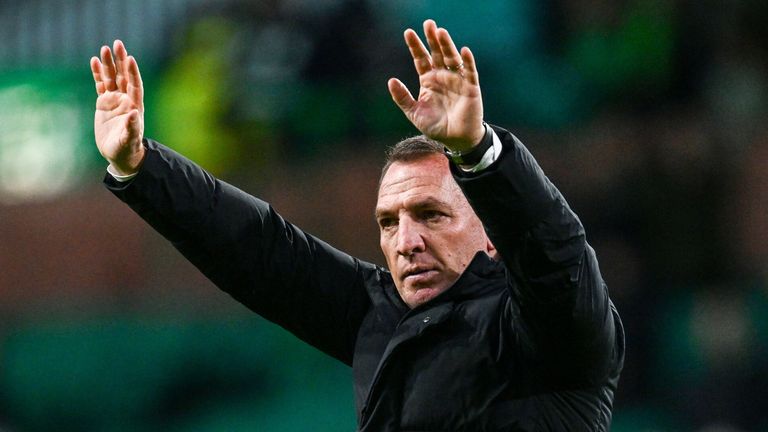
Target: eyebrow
point(420, 204)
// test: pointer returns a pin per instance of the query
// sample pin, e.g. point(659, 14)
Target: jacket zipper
point(384, 362)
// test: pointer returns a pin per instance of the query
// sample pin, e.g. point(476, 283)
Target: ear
point(490, 249)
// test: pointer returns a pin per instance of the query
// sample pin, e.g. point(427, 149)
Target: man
point(492, 319)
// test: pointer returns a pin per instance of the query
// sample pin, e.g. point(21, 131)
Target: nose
point(409, 237)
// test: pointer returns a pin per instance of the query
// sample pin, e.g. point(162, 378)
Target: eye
point(387, 222)
point(432, 215)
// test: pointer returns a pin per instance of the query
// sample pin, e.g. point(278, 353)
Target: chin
point(422, 295)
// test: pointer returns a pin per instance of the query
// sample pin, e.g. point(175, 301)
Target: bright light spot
point(38, 146)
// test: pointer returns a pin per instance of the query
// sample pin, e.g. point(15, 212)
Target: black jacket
point(529, 343)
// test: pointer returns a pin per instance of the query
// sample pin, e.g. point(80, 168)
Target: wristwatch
point(474, 155)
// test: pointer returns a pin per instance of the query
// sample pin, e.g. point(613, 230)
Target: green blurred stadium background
point(648, 114)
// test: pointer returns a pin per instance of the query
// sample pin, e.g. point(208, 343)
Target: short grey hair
point(410, 149)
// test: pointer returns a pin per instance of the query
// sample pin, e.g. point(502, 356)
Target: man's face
point(429, 232)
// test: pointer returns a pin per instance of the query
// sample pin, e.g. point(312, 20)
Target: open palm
point(119, 119)
point(449, 107)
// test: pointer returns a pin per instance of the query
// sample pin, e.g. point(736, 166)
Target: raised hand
point(119, 120)
point(449, 108)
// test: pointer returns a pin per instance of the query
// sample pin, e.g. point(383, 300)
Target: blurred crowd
point(647, 114)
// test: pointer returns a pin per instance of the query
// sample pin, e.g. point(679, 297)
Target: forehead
point(424, 178)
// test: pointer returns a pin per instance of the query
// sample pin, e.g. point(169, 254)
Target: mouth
point(419, 274)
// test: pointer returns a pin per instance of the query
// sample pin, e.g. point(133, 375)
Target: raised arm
point(238, 241)
point(449, 109)
point(554, 273)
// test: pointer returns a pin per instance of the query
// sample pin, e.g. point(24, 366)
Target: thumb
point(400, 94)
point(133, 118)
point(133, 125)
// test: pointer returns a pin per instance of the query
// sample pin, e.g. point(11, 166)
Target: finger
point(430, 31)
point(135, 87)
point(108, 74)
point(470, 67)
point(451, 57)
point(120, 65)
point(96, 71)
point(400, 94)
point(421, 58)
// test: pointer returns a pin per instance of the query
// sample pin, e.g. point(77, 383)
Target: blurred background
point(648, 115)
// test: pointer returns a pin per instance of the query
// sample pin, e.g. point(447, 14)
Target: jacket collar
point(477, 278)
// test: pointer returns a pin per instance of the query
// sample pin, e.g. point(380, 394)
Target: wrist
point(465, 144)
point(131, 164)
point(480, 134)
point(474, 154)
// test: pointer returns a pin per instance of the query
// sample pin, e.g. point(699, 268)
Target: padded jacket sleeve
point(248, 250)
point(554, 276)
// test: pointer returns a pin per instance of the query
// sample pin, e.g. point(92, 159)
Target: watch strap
point(475, 154)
